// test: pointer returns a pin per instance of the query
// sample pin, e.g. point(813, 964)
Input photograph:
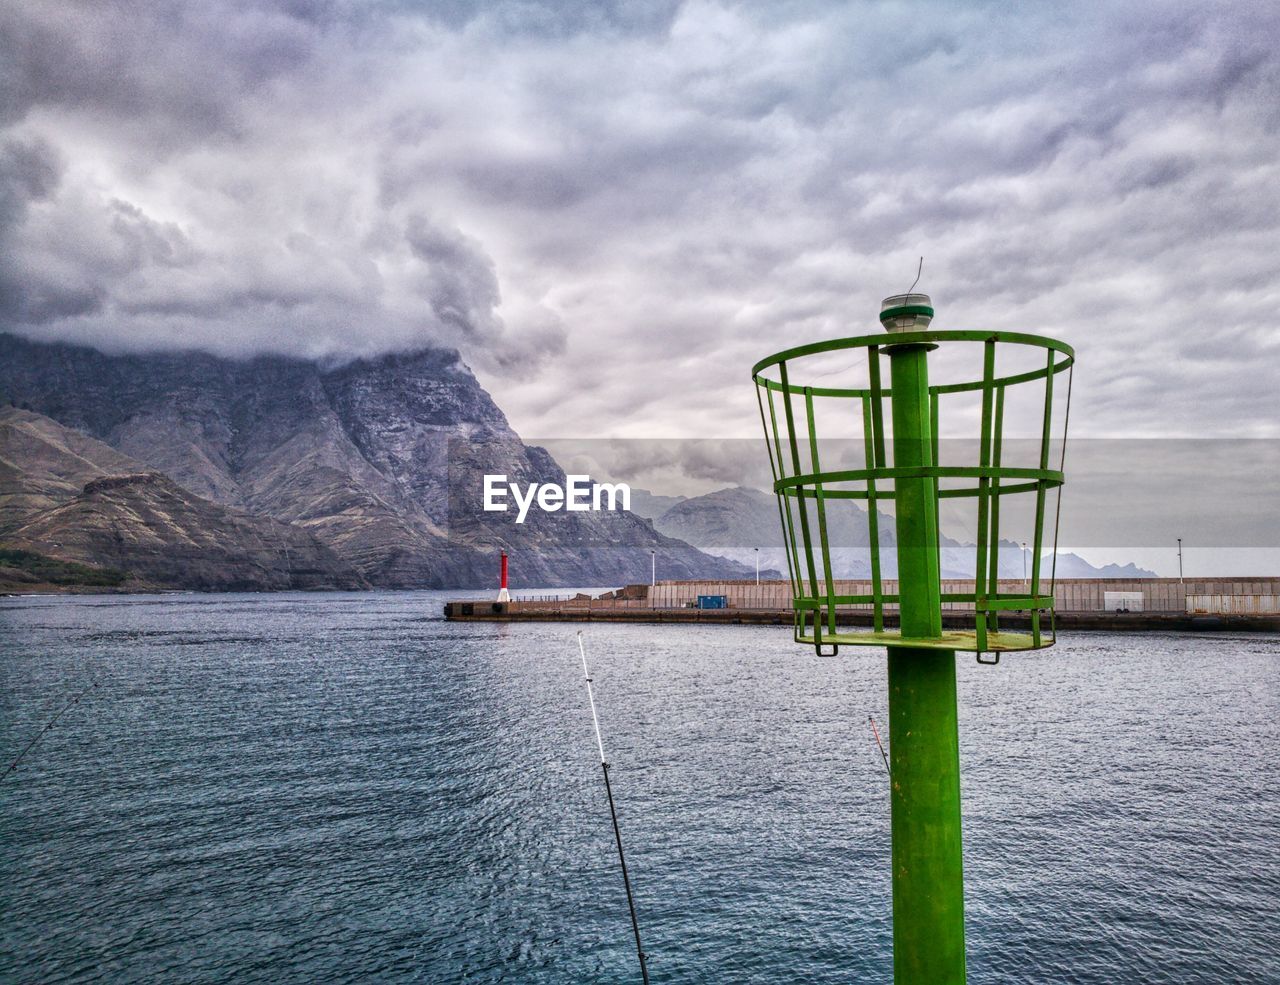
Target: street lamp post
point(1179, 560)
point(653, 568)
point(757, 550)
point(1024, 560)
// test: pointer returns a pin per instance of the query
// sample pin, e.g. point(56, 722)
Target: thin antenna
point(876, 732)
point(919, 271)
point(613, 813)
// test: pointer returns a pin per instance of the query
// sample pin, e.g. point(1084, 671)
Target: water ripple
point(302, 788)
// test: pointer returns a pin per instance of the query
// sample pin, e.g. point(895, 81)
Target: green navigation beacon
point(851, 477)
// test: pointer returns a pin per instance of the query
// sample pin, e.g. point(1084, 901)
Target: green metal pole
point(928, 876)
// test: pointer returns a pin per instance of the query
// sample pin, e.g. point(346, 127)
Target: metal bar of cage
point(934, 452)
point(805, 535)
point(984, 492)
point(1003, 603)
point(873, 516)
point(822, 509)
point(1051, 476)
point(1057, 509)
point(1038, 536)
point(875, 381)
point(997, 442)
point(925, 338)
point(793, 557)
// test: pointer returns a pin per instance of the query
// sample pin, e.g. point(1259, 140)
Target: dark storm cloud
point(626, 204)
point(29, 173)
point(459, 280)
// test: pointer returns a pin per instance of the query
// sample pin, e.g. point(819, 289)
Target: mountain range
point(282, 472)
point(189, 470)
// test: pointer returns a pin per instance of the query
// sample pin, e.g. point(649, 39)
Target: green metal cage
point(808, 495)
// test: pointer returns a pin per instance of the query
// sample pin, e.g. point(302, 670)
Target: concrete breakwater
point(1127, 604)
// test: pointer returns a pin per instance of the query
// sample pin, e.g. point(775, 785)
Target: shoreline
point(471, 611)
point(1122, 605)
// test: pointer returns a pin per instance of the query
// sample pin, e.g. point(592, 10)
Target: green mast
point(928, 877)
point(795, 392)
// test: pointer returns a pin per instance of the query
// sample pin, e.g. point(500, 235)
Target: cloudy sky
point(615, 209)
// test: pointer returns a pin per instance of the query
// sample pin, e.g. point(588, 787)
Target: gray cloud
point(616, 209)
point(459, 280)
point(166, 69)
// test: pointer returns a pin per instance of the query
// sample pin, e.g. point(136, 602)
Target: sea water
point(332, 787)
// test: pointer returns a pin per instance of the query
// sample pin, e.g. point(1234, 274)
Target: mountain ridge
point(68, 496)
point(379, 459)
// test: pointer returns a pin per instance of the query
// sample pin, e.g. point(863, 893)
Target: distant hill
point(67, 497)
point(733, 522)
point(43, 464)
point(1074, 566)
point(650, 505)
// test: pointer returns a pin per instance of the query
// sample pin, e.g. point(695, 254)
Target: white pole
point(1179, 560)
point(653, 569)
point(590, 696)
point(757, 566)
point(613, 813)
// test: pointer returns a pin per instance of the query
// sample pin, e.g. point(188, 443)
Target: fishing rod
point(13, 767)
point(617, 833)
point(876, 732)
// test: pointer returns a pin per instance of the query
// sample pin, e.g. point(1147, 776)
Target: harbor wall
point(1113, 604)
point(1159, 595)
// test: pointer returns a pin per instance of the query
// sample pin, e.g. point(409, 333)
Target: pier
point(1246, 603)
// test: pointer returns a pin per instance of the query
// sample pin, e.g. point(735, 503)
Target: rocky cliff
point(380, 460)
point(68, 496)
point(43, 464)
point(148, 525)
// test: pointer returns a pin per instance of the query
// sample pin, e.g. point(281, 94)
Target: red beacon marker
point(503, 594)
